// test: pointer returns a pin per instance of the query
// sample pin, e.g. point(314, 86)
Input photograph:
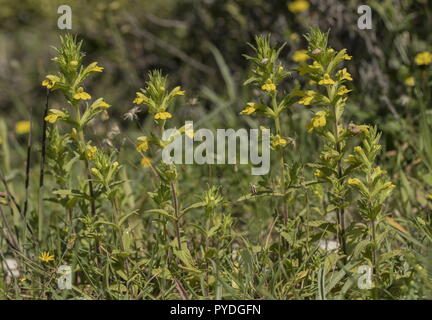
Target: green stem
point(281, 158)
point(177, 215)
point(83, 143)
point(340, 211)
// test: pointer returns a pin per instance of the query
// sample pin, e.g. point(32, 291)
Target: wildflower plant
point(159, 100)
point(267, 76)
point(328, 96)
point(70, 82)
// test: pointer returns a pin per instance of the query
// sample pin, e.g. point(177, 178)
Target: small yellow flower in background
point(344, 75)
point(319, 120)
point(278, 141)
point(268, 86)
point(22, 279)
point(354, 182)
point(54, 115)
point(300, 56)
point(90, 152)
point(343, 90)
point(46, 257)
point(250, 108)
point(81, 94)
point(22, 127)
point(146, 162)
point(307, 99)
point(143, 144)
point(358, 149)
point(163, 115)
point(50, 81)
point(326, 80)
point(319, 174)
point(298, 6)
point(410, 81)
point(423, 58)
point(73, 63)
point(430, 196)
point(294, 36)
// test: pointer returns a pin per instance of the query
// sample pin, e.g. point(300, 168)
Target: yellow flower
point(318, 173)
point(300, 56)
point(410, 81)
point(294, 36)
point(250, 108)
point(319, 120)
point(54, 115)
point(343, 90)
point(22, 127)
point(307, 99)
point(22, 279)
point(81, 94)
point(268, 86)
point(163, 115)
point(278, 141)
point(358, 149)
point(50, 81)
point(90, 152)
point(423, 58)
point(354, 182)
point(344, 75)
point(378, 171)
point(315, 65)
point(177, 92)
point(143, 144)
point(346, 57)
point(146, 162)
point(326, 80)
point(389, 185)
point(298, 6)
point(73, 63)
point(430, 196)
point(46, 257)
point(101, 104)
point(93, 67)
